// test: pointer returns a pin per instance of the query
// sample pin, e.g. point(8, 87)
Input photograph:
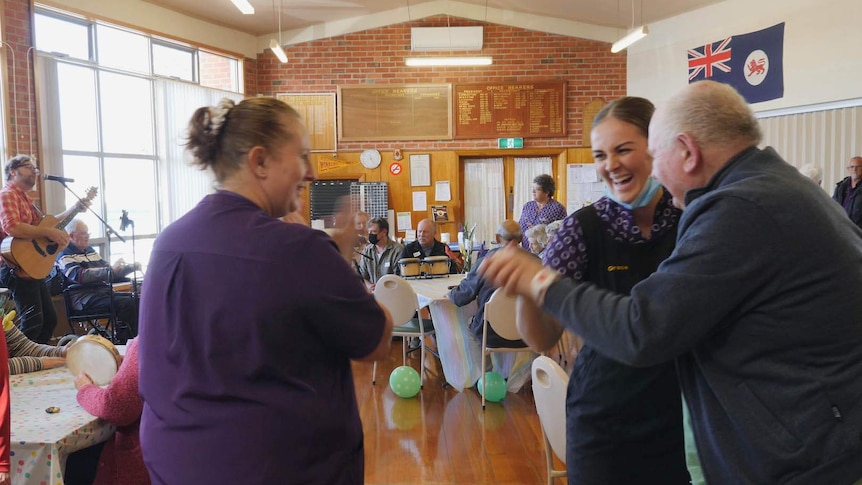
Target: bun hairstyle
point(219, 137)
point(630, 109)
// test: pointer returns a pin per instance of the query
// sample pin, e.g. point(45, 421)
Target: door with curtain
point(525, 170)
point(484, 196)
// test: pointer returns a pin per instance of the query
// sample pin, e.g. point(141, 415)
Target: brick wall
point(377, 57)
point(17, 38)
point(372, 57)
point(215, 71)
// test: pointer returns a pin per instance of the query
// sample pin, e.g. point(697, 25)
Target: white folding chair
point(549, 390)
point(397, 296)
point(500, 315)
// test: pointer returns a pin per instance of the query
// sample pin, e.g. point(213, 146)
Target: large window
point(114, 105)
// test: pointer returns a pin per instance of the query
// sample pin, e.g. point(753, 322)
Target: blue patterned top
point(532, 216)
point(566, 252)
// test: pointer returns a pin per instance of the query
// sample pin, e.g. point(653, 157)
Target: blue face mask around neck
point(650, 189)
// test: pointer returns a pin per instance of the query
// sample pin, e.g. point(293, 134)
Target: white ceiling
point(302, 14)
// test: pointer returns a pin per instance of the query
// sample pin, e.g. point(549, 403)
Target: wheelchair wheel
point(66, 340)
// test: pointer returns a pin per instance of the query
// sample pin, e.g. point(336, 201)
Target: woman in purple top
point(543, 208)
point(248, 325)
point(623, 424)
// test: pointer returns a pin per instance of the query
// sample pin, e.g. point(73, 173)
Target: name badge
point(386, 264)
point(417, 254)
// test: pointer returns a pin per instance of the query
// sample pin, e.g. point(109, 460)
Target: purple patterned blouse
point(566, 252)
point(531, 216)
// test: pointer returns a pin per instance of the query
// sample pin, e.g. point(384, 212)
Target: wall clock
point(370, 158)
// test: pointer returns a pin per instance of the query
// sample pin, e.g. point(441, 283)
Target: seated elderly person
point(380, 256)
point(551, 228)
point(426, 244)
point(81, 264)
point(537, 236)
point(473, 287)
point(26, 355)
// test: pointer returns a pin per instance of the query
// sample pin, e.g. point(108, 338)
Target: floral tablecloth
point(41, 441)
point(461, 353)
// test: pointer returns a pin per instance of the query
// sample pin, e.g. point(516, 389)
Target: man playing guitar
point(19, 218)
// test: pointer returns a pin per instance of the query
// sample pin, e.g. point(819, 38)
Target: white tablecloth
point(41, 441)
point(460, 352)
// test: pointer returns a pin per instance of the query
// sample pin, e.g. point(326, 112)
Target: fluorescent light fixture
point(277, 50)
point(243, 6)
point(630, 38)
point(449, 61)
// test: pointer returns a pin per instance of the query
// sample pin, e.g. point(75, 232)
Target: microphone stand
point(124, 223)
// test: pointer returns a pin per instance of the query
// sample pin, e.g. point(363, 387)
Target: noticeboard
point(318, 113)
point(395, 112)
point(510, 110)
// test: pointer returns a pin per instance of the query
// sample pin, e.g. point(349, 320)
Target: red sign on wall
point(395, 168)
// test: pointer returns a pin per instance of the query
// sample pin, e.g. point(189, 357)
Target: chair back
point(501, 312)
point(549, 391)
point(396, 295)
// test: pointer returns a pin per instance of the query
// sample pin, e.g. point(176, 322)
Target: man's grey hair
point(714, 114)
point(509, 230)
point(813, 172)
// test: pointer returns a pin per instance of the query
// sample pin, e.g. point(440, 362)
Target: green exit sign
point(510, 143)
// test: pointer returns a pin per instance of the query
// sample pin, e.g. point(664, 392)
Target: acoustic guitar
point(34, 258)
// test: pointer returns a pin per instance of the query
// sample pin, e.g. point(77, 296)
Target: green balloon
point(405, 381)
point(495, 389)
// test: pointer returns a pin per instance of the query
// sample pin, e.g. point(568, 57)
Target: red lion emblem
point(757, 66)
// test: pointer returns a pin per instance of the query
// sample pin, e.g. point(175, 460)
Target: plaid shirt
point(16, 207)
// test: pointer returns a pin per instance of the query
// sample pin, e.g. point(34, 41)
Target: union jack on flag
point(756, 68)
point(704, 59)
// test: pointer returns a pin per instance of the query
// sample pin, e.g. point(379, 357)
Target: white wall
point(822, 48)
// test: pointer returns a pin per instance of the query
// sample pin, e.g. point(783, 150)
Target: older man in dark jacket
point(847, 191)
point(759, 302)
point(472, 287)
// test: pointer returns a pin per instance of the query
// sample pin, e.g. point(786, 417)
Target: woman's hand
point(344, 235)
point(82, 380)
point(5, 478)
point(51, 362)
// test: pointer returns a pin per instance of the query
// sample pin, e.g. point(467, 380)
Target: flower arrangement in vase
point(465, 243)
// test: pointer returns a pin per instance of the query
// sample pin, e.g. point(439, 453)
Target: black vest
point(623, 424)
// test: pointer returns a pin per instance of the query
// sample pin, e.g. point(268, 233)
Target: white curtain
point(526, 169)
point(182, 185)
point(484, 197)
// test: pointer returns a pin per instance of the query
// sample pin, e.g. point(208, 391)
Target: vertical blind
point(827, 138)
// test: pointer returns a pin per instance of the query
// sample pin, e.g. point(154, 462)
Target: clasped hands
point(511, 268)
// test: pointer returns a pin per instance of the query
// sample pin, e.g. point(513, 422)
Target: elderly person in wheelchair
point(80, 264)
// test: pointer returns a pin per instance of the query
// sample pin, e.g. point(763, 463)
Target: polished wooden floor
point(442, 436)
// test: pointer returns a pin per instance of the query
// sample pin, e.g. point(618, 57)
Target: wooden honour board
point(395, 112)
point(510, 110)
point(318, 113)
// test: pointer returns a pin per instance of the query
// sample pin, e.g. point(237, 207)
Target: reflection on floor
point(442, 436)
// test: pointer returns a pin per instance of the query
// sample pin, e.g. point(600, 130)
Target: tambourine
point(409, 266)
point(435, 265)
point(94, 355)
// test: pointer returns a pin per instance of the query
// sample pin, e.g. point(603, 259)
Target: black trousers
point(33, 303)
point(125, 308)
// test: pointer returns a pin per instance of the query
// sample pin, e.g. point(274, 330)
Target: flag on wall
point(752, 63)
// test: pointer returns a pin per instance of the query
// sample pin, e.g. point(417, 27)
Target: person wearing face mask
point(380, 257)
point(617, 414)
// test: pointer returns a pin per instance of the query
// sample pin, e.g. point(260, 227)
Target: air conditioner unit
point(425, 39)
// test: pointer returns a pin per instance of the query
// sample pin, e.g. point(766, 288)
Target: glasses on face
point(30, 166)
point(854, 167)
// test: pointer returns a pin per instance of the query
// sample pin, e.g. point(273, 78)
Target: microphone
point(57, 178)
